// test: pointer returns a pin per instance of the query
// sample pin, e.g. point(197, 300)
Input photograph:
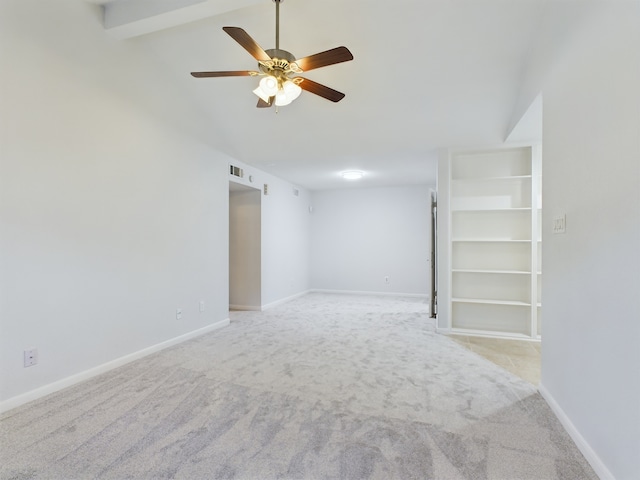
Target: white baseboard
point(357, 292)
point(591, 456)
point(284, 300)
point(245, 308)
point(40, 392)
point(254, 308)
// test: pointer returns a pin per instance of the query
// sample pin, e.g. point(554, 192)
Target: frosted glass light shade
point(287, 94)
point(292, 90)
point(282, 99)
point(269, 85)
point(259, 92)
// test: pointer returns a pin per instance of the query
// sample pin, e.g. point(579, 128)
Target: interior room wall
point(285, 235)
point(361, 236)
point(591, 165)
point(110, 218)
point(286, 226)
point(443, 232)
point(244, 248)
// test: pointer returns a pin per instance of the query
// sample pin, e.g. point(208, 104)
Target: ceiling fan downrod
point(277, 23)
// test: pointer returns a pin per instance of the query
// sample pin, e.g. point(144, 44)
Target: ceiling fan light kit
point(278, 67)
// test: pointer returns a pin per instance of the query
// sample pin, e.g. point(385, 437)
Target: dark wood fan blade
point(263, 104)
point(322, 59)
point(248, 43)
point(238, 73)
point(322, 90)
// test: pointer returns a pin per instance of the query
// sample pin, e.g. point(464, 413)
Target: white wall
point(591, 279)
point(245, 249)
point(286, 226)
point(443, 241)
point(360, 236)
point(113, 214)
point(110, 218)
point(285, 235)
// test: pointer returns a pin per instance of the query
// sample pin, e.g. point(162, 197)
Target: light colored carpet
point(323, 387)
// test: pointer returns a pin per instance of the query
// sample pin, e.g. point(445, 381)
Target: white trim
point(40, 392)
point(246, 308)
point(468, 332)
point(589, 454)
point(284, 300)
point(356, 292)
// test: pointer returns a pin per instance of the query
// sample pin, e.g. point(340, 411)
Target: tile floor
point(520, 357)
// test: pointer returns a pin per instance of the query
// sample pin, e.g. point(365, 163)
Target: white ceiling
point(426, 74)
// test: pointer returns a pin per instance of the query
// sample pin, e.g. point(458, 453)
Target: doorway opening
point(245, 240)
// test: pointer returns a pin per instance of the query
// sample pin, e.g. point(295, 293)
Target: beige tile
point(524, 362)
point(508, 347)
point(530, 374)
point(487, 351)
point(521, 358)
point(501, 360)
point(461, 339)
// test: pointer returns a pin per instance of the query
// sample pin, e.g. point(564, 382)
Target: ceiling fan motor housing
point(280, 60)
point(281, 65)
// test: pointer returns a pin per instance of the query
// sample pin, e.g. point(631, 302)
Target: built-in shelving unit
point(495, 269)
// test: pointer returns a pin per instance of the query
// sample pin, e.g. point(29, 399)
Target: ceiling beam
point(131, 18)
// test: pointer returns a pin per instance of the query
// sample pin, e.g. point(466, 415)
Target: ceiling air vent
point(236, 171)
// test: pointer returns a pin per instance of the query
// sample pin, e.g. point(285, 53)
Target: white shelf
point(489, 240)
point(483, 301)
point(499, 272)
point(491, 210)
point(492, 334)
point(492, 179)
point(494, 217)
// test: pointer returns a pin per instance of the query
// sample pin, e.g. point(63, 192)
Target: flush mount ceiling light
point(352, 175)
point(278, 67)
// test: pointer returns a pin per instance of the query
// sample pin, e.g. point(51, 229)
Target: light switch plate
point(560, 224)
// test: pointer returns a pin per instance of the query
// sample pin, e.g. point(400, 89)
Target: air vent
point(236, 171)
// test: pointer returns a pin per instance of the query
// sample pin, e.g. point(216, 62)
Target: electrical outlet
point(560, 224)
point(201, 306)
point(178, 314)
point(386, 280)
point(30, 357)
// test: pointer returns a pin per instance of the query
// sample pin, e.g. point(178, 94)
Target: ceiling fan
point(278, 68)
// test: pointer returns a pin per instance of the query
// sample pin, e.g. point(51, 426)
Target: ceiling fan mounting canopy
point(278, 66)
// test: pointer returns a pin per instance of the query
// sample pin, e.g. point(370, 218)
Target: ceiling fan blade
point(248, 43)
point(322, 59)
point(322, 90)
point(263, 104)
point(237, 73)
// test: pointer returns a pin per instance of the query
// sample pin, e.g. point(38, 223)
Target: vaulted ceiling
point(426, 75)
